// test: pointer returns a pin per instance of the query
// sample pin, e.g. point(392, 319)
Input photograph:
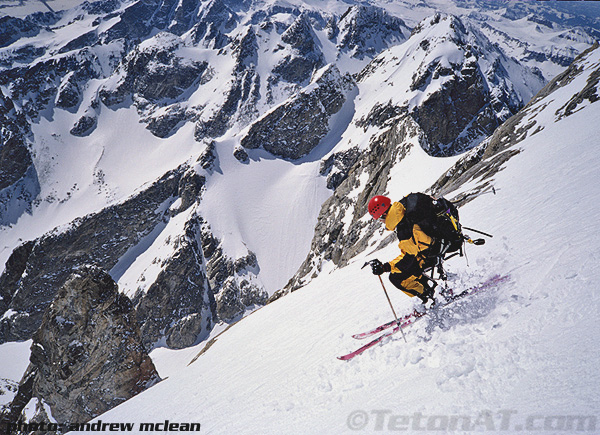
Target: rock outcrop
point(305, 57)
point(87, 355)
point(242, 92)
point(187, 306)
point(485, 160)
point(295, 128)
point(154, 71)
point(18, 181)
point(344, 228)
point(231, 280)
point(195, 282)
point(364, 30)
point(469, 84)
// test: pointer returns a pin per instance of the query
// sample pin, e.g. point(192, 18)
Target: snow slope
point(521, 356)
point(14, 359)
point(22, 8)
point(265, 206)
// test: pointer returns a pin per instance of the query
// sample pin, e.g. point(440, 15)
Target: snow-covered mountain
point(207, 153)
point(519, 355)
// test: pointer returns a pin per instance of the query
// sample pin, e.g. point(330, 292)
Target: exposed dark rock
point(300, 35)
point(252, 295)
point(18, 179)
point(19, 197)
point(101, 7)
point(155, 72)
point(380, 116)
point(559, 59)
point(296, 127)
point(208, 157)
point(23, 54)
point(241, 154)
point(37, 85)
point(178, 305)
point(164, 123)
point(183, 16)
point(69, 94)
point(14, 268)
point(8, 389)
point(307, 56)
point(337, 241)
point(87, 355)
point(234, 293)
point(242, 94)
point(14, 160)
point(214, 22)
point(14, 155)
point(473, 102)
point(363, 30)
point(488, 158)
point(234, 298)
point(85, 40)
point(190, 189)
point(461, 100)
point(590, 92)
point(332, 28)
point(12, 29)
point(84, 126)
point(101, 238)
point(135, 22)
point(229, 304)
point(337, 166)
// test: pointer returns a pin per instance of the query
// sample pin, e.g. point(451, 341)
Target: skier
point(413, 219)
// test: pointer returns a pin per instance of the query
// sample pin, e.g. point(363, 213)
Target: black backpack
point(438, 218)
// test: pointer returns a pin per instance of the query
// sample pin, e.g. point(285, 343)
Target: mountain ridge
point(146, 130)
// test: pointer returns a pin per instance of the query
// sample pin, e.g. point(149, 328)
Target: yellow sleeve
point(394, 262)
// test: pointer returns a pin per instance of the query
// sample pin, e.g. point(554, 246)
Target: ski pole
point(477, 231)
point(392, 307)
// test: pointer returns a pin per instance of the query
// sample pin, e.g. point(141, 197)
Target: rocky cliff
point(87, 355)
point(448, 68)
point(294, 128)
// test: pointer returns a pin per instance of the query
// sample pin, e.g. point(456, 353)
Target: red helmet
point(378, 205)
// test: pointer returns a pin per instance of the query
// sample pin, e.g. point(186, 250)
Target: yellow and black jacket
point(413, 240)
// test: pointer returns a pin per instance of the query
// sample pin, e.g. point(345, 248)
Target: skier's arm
point(392, 264)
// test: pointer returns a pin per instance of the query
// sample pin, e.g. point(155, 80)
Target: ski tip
point(344, 358)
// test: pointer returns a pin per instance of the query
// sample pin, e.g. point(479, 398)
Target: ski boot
point(427, 297)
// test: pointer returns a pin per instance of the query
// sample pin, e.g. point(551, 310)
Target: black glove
point(379, 268)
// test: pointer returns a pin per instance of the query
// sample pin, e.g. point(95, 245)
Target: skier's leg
point(408, 279)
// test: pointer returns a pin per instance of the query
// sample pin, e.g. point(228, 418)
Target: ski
point(414, 316)
point(380, 328)
point(377, 340)
point(491, 281)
